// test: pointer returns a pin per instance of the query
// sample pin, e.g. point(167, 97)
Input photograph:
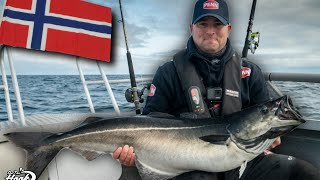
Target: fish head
point(283, 117)
point(269, 120)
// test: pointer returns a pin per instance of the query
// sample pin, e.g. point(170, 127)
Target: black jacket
point(169, 98)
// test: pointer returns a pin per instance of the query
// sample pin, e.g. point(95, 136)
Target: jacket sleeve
point(258, 87)
point(159, 99)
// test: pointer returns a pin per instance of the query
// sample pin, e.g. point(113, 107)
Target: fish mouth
point(288, 118)
point(287, 111)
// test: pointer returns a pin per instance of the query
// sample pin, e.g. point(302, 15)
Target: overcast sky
point(157, 29)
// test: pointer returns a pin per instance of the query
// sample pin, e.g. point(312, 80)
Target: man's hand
point(125, 155)
point(276, 143)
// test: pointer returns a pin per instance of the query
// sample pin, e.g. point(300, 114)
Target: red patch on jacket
point(152, 90)
point(246, 72)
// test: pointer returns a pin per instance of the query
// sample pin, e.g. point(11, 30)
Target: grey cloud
point(157, 60)
point(160, 57)
point(151, 15)
point(293, 12)
point(137, 35)
point(289, 30)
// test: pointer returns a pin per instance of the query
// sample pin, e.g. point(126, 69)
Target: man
point(209, 79)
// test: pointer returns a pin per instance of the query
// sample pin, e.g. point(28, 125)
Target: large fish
point(212, 145)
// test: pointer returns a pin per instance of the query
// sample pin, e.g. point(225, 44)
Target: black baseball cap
point(215, 8)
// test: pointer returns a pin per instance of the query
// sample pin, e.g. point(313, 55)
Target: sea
point(56, 94)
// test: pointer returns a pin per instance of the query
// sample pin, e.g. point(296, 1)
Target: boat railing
point(14, 83)
point(85, 84)
point(294, 77)
point(104, 81)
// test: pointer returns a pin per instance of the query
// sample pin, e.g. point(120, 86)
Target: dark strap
point(189, 77)
point(232, 86)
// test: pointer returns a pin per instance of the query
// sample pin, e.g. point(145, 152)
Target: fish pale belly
point(171, 157)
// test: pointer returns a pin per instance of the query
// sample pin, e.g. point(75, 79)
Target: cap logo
point(211, 4)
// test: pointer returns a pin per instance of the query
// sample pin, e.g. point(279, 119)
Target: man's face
point(209, 34)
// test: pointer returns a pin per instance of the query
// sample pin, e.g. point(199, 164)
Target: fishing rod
point(132, 94)
point(252, 39)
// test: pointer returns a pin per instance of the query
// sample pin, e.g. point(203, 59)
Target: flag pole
point(131, 70)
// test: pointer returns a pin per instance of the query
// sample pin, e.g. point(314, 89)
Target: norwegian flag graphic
point(72, 27)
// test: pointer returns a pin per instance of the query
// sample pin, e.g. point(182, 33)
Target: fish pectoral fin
point(89, 155)
point(215, 139)
point(149, 173)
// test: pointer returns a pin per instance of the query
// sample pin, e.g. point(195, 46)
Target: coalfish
point(167, 146)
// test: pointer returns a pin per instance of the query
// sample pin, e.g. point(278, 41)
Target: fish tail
point(39, 153)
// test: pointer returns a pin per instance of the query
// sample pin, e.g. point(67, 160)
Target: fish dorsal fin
point(90, 120)
point(215, 139)
point(160, 115)
point(88, 154)
point(147, 172)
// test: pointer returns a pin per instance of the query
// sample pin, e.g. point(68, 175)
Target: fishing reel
point(129, 94)
point(254, 41)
